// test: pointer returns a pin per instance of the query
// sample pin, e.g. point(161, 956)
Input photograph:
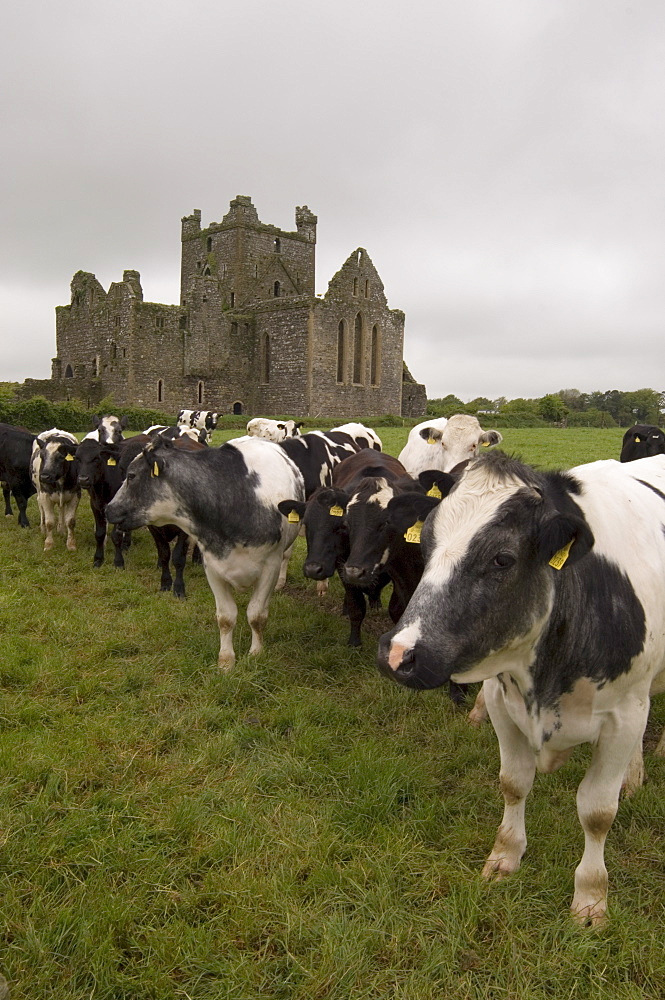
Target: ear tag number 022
point(413, 533)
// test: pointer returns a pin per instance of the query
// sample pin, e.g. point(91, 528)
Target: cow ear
point(282, 427)
point(123, 422)
point(563, 540)
point(294, 507)
point(431, 434)
point(96, 420)
point(489, 438)
point(443, 481)
point(405, 510)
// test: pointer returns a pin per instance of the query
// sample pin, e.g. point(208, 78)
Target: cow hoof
point(97, 563)
point(590, 916)
point(226, 663)
point(496, 869)
point(476, 718)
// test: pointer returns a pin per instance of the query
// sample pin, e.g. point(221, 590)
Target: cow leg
point(163, 556)
point(100, 537)
point(118, 539)
point(227, 613)
point(179, 558)
point(660, 749)
point(354, 607)
point(68, 508)
point(478, 713)
point(22, 504)
point(518, 768)
point(597, 803)
point(281, 579)
point(257, 608)
point(6, 492)
point(47, 520)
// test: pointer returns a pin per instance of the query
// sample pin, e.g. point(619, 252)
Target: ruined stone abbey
point(249, 334)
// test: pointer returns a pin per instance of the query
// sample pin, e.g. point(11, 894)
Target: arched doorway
point(237, 408)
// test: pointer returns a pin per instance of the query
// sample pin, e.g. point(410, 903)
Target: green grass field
point(301, 828)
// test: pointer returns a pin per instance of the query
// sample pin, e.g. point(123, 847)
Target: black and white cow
point(108, 429)
point(445, 444)
point(317, 453)
point(200, 419)
point(273, 430)
point(99, 474)
point(193, 433)
point(549, 587)
point(54, 474)
point(15, 452)
point(363, 436)
point(226, 498)
point(642, 441)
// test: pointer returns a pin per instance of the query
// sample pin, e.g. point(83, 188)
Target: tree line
point(568, 407)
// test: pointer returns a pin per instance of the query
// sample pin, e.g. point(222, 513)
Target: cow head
point(461, 440)
point(325, 530)
point(146, 496)
point(58, 469)
point(492, 553)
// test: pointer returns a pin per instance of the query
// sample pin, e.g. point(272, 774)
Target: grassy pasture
point(298, 829)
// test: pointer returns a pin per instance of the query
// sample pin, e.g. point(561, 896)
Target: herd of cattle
point(546, 586)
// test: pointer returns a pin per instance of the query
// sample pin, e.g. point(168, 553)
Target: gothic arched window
point(358, 351)
point(341, 350)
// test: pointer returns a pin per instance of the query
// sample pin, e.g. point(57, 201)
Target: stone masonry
point(249, 335)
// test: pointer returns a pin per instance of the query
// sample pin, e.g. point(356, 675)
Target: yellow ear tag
point(638, 439)
point(293, 517)
point(434, 492)
point(558, 559)
point(430, 440)
point(413, 533)
point(155, 469)
point(485, 444)
point(69, 458)
point(337, 511)
point(111, 461)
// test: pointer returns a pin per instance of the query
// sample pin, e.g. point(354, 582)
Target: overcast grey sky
point(502, 161)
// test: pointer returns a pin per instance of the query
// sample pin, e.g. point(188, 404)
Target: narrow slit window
point(358, 351)
point(266, 358)
point(160, 391)
point(341, 352)
point(375, 360)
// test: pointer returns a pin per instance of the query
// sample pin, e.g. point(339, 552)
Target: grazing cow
point(193, 433)
point(317, 453)
point(54, 473)
point(549, 587)
point(363, 436)
point(273, 430)
point(642, 441)
point(227, 499)
point(200, 419)
point(108, 429)
point(445, 444)
point(15, 452)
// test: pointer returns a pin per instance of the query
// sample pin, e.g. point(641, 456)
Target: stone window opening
point(278, 245)
point(341, 350)
point(116, 321)
point(358, 351)
point(209, 244)
point(160, 391)
point(366, 288)
point(355, 286)
point(114, 351)
point(68, 372)
point(237, 408)
point(159, 322)
point(183, 322)
point(206, 273)
point(233, 299)
point(375, 357)
point(265, 358)
point(200, 393)
point(277, 289)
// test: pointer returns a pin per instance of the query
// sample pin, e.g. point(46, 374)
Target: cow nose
point(84, 482)
point(353, 573)
point(314, 571)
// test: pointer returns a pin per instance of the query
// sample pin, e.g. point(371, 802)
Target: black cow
point(642, 441)
point(99, 473)
point(550, 588)
point(15, 452)
point(317, 453)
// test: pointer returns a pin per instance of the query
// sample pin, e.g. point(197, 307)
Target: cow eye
point(131, 475)
point(503, 560)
